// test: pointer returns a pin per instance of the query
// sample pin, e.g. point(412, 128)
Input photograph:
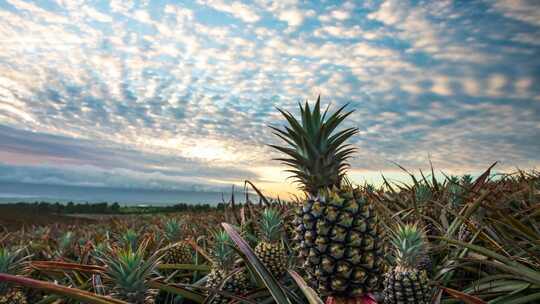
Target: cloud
point(235, 8)
point(40, 158)
point(526, 11)
point(294, 18)
point(495, 85)
point(177, 90)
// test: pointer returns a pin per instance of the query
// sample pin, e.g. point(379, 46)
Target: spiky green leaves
point(222, 253)
point(173, 230)
point(271, 225)
point(408, 242)
point(11, 262)
point(316, 152)
point(130, 271)
point(130, 238)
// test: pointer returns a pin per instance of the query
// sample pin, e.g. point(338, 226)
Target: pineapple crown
point(466, 180)
point(66, 240)
point(11, 262)
point(130, 238)
point(408, 242)
point(316, 152)
point(271, 225)
point(222, 253)
point(455, 191)
point(172, 229)
point(129, 271)
point(423, 192)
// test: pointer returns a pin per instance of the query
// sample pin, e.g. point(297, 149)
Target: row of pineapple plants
point(427, 242)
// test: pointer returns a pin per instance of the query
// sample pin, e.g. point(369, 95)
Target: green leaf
point(184, 292)
point(72, 293)
point(276, 290)
point(505, 263)
point(468, 299)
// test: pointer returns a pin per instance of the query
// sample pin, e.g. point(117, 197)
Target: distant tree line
point(106, 208)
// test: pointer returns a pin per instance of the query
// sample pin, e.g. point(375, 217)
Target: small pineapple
point(405, 283)
point(338, 236)
point(130, 238)
point(236, 283)
point(129, 273)
point(222, 277)
point(465, 233)
point(13, 297)
point(423, 193)
point(66, 246)
point(12, 262)
point(179, 252)
point(271, 250)
point(455, 193)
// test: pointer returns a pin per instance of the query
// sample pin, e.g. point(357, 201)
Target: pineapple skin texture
point(340, 243)
point(273, 256)
point(179, 253)
point(13, 297)
point(406, 287)
point(237, 284)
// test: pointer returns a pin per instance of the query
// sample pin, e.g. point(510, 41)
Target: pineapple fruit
point(179, 252)
point(222, 277)
point(129, 273)
point(338, 236)
point(271, 250)
point(406, 283)
point(13, 297)
point(12, 262)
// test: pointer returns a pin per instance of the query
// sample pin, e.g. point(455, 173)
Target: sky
point(179, 95)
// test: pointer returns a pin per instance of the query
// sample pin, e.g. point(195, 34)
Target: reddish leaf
point(463, 296)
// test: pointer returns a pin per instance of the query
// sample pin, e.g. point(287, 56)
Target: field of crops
point(456, 240)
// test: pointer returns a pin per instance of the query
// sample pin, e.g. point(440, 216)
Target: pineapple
point(222, 277)
point(423, 193)
point(129, 272)
point(12, 262)
point(13, 297)
point(66, 245)
point(271, 250)
point(455, 193)
point(405, 283)
point(179, 252)
point(130, 238)
point(339, 239)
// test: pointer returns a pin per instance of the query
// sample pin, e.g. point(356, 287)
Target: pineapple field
point(460, 239)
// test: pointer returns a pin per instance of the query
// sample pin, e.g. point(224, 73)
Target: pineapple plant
point(406, 283)
point(130, 238)
point(222, 277)
point(271, 250)
point(129, 273)
point(179, 251)
point(66, 246)
point(455, 193)
point(339, 238)
point(12, 262)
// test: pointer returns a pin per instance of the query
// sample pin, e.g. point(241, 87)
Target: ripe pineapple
point(339, 238)
point(179, 252)
point(406, 283)
point(12, 262)
point(129, 273)
point(271, 250)
point(222, 277)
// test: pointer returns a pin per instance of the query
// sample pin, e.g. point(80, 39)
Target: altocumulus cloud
point(178, 96)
